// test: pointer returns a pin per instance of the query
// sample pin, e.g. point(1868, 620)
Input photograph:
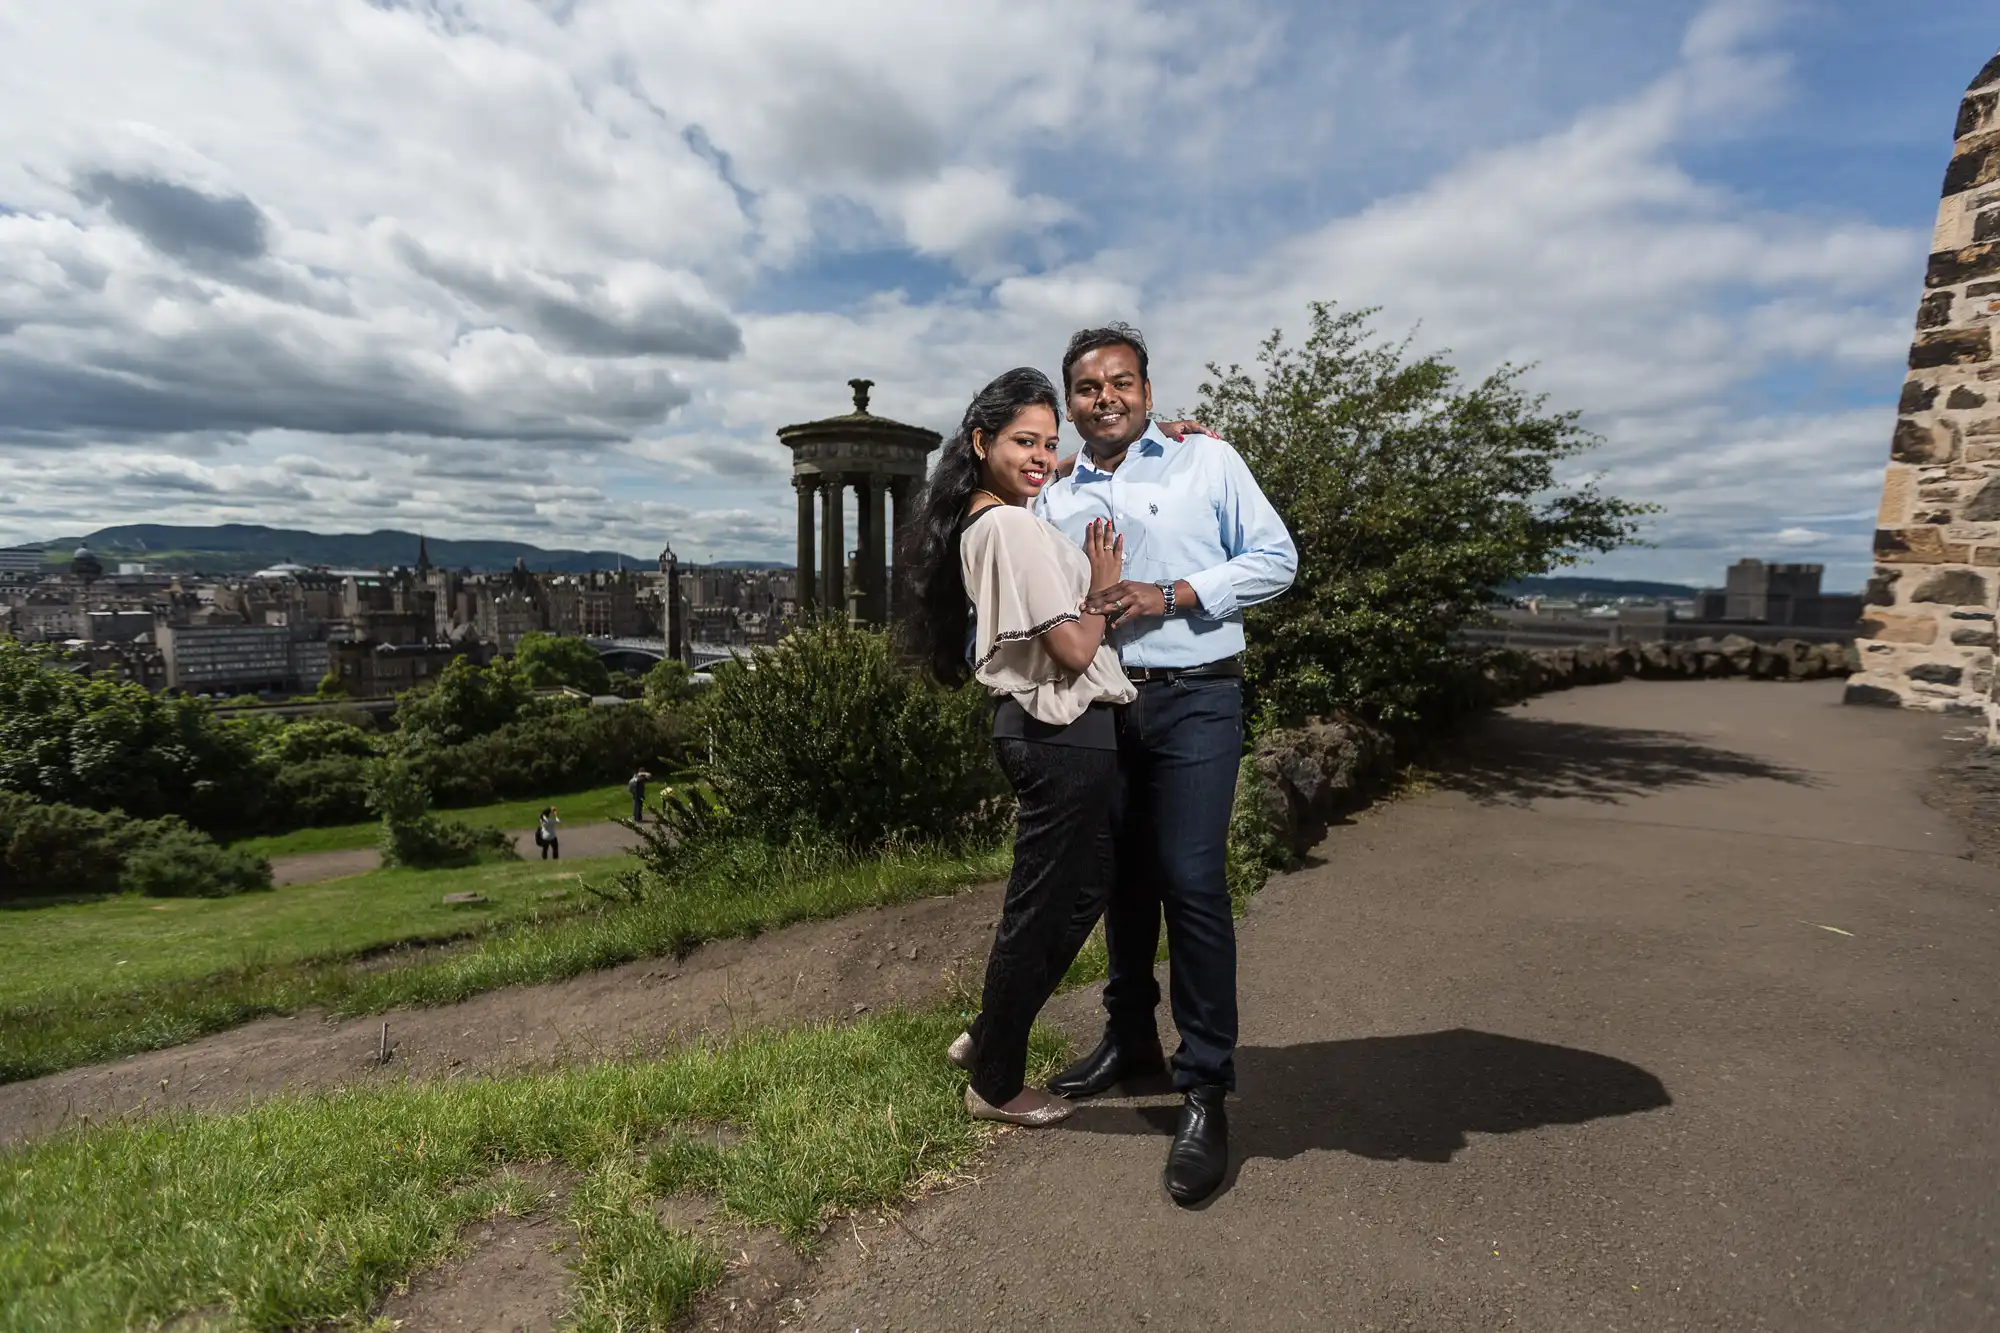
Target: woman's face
point(1021, 459)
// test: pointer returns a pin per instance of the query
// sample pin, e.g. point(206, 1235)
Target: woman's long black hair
point(935, 615)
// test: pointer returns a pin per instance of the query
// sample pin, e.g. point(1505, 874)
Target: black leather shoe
point(1199, 1158)
point(1109, 1065)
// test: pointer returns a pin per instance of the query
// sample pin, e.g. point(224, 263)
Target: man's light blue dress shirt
point(1189, 509)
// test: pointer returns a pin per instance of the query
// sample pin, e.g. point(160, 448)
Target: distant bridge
point(627, 654)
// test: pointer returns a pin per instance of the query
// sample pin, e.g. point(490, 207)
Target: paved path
point(578, 841)
point(1675, 1009)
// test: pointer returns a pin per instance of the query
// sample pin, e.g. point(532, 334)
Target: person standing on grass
point(1201, 543)
point(997, 594)
point(545, 834)
point(637, 788)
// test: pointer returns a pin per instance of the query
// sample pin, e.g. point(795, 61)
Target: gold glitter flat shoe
point(960, 1051)
point(1039, 1118)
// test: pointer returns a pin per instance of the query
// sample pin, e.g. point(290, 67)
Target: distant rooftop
point(292, 571)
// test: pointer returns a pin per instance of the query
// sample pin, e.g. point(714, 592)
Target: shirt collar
point(1152, 444)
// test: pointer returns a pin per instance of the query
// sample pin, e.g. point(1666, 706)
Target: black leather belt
point(1228, 666)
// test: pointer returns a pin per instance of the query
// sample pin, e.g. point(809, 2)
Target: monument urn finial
point(861, 388)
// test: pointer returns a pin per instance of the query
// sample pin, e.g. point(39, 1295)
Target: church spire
point(423, 555)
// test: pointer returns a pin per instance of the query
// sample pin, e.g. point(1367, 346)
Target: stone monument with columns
point(1927, 634)
point(885, 462)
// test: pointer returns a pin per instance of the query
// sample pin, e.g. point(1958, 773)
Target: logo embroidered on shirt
point(1152, 509)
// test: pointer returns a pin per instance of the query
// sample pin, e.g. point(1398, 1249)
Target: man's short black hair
point(1111, 335)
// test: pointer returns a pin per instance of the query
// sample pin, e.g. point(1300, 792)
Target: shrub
point(317, 792)
point(413, 836)
point(830, 736)
point(565, 748)
point(1255, 846)
point(1412, 498)
point(58, 848)
point(174, 861)
point(65, 849)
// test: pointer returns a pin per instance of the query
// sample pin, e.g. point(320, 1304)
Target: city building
point(1789, 594)
point(228, 659)
point(368, 670)
point(21, 563)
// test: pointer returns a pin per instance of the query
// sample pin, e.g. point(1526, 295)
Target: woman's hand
point(1074, 643)
point(1105, 548)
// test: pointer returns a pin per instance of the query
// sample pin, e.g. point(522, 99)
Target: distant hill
point(241, 548)
point(1560, 586)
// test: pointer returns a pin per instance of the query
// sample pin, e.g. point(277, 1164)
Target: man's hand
point(1132, 600)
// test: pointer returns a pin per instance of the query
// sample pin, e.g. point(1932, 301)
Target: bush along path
point(1298, 779)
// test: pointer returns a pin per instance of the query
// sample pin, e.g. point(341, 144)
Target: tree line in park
point(1412, 494)
point(95, 772)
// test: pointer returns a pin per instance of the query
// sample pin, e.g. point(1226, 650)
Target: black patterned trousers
point(1062, 855)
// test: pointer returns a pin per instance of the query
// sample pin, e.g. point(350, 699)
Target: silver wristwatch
point(1167, 591)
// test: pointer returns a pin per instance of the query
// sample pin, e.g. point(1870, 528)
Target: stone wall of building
point(1927, 637)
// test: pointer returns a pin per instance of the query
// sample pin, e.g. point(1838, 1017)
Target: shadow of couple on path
point(1404, 1098)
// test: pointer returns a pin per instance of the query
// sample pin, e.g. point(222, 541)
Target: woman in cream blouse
point(997, 595)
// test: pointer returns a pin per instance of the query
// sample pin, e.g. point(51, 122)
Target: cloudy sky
point(556, 269)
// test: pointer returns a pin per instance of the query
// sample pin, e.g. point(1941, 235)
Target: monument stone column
point(806, 593)
point(901, 489)
point(832, 536)
point(1927, 635)
point(881, 459)
point(874, 556)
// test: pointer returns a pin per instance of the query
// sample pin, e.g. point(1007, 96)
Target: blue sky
point(557, 272)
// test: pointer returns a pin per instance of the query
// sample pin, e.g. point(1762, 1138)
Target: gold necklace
point(981, 490)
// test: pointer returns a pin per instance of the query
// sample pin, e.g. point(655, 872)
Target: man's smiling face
point(1108, 399)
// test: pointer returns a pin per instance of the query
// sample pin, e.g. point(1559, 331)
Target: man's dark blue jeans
point(1179, 746)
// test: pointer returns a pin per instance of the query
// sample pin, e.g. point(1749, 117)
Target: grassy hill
point(241, 548)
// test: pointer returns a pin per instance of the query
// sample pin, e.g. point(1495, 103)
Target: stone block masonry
point(1927, 635)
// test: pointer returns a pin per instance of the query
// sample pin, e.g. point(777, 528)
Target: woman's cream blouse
point(1025, 578)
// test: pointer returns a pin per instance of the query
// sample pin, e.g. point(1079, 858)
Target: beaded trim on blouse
point(1014, 635)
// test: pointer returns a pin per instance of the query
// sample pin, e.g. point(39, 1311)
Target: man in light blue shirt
point(1201, 544)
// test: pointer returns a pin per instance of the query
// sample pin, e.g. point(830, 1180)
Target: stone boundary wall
point(1927, 637)
point(1300, 779)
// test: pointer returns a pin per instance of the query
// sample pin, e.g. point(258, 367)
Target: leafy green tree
point(1413, 498)
point(548, 661)
point(331, 686)
point(466, 700)
point(669, 684)
point(104, 744)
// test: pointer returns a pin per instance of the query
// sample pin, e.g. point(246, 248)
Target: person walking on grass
point(637, 788)
point(999, 595)
point(545, 834)
point(1201, 543)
